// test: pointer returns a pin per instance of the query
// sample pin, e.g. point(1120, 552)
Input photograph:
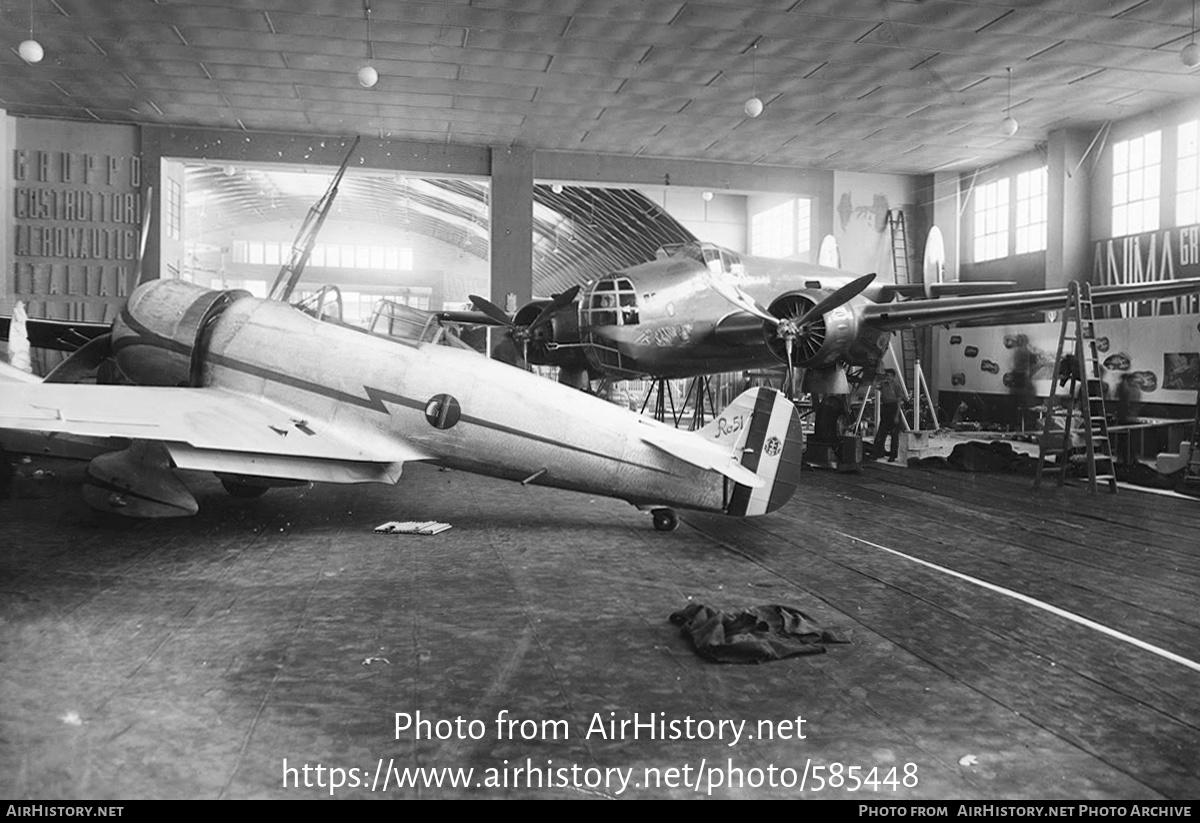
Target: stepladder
point(900, 269)
point(1077, 370)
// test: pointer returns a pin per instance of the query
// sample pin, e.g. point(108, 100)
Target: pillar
point(512, 225)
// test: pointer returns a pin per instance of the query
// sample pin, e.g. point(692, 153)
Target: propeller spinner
point(523, 334)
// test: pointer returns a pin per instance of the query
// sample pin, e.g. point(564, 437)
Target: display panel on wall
point(1166, 254)
point(1161, 353)
point(75, 224)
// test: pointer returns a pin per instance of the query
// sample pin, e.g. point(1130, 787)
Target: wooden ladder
point(1191, 472)
point(1084, 374)
point(899, 237)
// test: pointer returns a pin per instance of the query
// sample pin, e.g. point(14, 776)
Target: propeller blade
point(740, 299)
point(491, 310)
point(83, 362)
point(557, 301)
point(563, 298)
point(788, 343)
point(843, 295)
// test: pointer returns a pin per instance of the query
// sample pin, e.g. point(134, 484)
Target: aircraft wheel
point(245, 491)
point(665, 520)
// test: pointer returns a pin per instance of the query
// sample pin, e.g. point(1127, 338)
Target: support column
point(1068, 207)
point(151, 148)
point(8, 142)
point(945, 213)
point(512, 225)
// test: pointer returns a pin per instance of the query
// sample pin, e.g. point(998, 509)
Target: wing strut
point(289, 275)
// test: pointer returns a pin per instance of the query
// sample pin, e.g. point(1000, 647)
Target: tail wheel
point(665, 520)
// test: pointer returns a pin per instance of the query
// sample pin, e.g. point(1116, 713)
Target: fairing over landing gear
point(665, 520)
point(246, 491)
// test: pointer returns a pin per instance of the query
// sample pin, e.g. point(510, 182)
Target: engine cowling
point(561, 327)
point(837, 336)
point(160, 337)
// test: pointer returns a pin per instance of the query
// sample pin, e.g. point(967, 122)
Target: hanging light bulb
point(367, 75)
point(557, 188)
point(31, 51)
point(754, 106)
point(1190, 56)
point(1009, 124)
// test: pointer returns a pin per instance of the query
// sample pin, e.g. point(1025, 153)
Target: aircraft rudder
point(773, 448)
point(730, 424)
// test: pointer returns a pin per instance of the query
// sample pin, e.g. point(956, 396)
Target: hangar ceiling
point(904, 86)
point(580, 232)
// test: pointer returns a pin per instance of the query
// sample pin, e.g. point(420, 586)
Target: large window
point(783, 230)
point(1031, 211)
point(1137, 168)
point(174, 208)
point(1187, 175)
point(388, 258)
point(991, 220)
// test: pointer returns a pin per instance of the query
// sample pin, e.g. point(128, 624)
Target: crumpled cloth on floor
point(754, 635)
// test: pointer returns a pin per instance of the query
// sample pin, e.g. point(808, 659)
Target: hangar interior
point(1006, 644)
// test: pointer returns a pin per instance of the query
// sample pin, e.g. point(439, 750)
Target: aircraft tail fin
point(765, 427)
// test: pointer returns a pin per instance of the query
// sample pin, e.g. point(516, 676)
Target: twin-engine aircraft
point(700, 309)
point(263, 394)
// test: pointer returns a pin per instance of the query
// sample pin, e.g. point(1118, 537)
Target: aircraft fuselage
point(455, 407)
point(664, 317)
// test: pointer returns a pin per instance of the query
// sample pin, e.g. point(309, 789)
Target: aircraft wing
point(890, 316)
point(890, 291)
point(10, 374)
point(63, 335)
point(211, 429)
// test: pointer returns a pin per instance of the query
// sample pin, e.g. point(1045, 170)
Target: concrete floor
point(202, 658)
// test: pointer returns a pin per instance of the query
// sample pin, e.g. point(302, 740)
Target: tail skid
point(765, 427)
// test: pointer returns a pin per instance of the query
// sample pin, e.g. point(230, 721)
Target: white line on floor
point(1091, 624)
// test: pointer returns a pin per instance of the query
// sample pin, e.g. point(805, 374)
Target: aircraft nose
point(155, 335)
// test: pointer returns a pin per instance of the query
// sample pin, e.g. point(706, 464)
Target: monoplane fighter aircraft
point(701, 309)
point(263, 394)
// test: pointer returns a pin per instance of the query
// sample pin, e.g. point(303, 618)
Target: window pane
point(991, 220)
point(1137, 181)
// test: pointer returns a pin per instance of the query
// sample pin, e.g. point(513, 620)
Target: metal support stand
point(661, 388)
point(1191, 472)
point(701, 388)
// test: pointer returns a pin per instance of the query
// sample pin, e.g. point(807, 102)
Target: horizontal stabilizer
point(692, 448)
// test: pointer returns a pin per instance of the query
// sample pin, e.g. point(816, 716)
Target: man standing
point(891, 392)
